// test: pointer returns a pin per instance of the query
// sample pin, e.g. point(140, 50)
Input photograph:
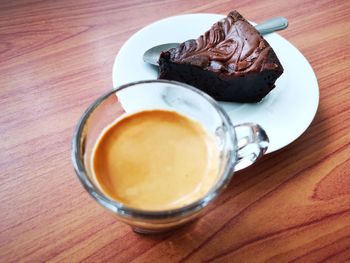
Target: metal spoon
point(274, 24)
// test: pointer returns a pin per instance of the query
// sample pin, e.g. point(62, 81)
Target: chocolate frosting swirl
point(231, 47)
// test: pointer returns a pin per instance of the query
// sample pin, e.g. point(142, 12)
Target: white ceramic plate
point(285, 113)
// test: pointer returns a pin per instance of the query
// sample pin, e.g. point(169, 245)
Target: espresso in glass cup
point(156, 153)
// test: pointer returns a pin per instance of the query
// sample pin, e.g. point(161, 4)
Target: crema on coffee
point(155, 160)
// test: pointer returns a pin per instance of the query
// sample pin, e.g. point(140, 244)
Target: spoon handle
point(271, 25)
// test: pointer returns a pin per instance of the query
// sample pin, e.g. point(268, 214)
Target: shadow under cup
point(166, 95)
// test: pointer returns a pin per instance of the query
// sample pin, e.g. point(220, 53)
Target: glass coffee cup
point(239, 146)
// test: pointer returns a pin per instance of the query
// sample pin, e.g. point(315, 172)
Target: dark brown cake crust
point(230, 62)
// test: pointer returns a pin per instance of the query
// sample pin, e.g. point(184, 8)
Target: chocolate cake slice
point(230, 62)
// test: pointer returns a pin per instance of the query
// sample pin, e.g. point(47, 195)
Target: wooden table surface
point(56, 57)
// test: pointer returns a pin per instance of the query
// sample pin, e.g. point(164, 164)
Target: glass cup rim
point(130, 212)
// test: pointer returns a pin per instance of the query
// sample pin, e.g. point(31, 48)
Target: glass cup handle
point(252, 143)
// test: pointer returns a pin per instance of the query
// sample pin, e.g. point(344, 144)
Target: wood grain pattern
point(57, 56)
